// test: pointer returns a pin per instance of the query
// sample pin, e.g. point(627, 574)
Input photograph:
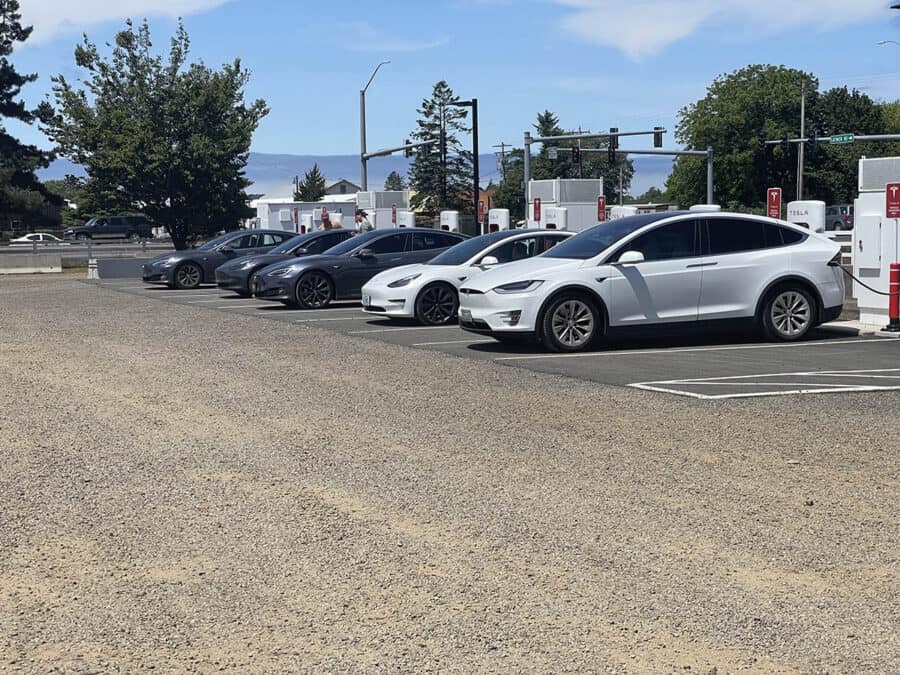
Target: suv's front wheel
point(789, 313)
point(571, 323)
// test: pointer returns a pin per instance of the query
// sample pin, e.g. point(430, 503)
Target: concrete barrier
point(29, 263)
point(120, 268)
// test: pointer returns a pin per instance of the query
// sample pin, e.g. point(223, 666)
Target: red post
point(894, 300)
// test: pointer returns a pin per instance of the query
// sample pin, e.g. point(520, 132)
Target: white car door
point(665, 286)
point(740, 256)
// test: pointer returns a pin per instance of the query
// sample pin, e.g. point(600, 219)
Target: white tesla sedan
point(698, 269)
point(428, 292)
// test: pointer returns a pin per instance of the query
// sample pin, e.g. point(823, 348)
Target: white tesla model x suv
point(428, 292)
point(699, 269)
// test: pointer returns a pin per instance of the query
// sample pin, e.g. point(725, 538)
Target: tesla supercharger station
point(578, 196)
point(617, 212)
point(876, 242)
point(380, 206)
point(556, 218)
point(306, 223)
point(450, 221)
point(498, 220)
point(406, 218)
point(807, 213)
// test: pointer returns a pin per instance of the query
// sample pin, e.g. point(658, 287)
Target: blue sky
point(596, 63)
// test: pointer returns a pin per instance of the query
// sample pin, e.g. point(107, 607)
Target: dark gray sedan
point(236, 275)
point(195, 266)
point(338, 274)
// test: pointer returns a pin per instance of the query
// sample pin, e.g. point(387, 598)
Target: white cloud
point(643, 27)
point(369, 39)
point(52, 18)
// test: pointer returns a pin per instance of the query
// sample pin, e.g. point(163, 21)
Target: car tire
point(188, 276)
point(571, 323)
point(436, 304)
point(134, 237)
point(788, 313)
point(82, 237)
point(314, 290)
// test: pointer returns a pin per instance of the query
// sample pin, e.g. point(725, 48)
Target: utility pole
point(363, 173)
point(502, 147)
point(800, 151)
point(621, 182)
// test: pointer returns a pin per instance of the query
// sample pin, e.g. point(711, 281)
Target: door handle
point(709, 264)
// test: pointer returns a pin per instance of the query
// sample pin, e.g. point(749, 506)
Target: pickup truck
point(132, 228)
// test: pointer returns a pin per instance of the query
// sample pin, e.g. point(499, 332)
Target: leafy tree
point(442, 180)
point(653, 195)
point(69, 189)
point(394, 181)
point(170, 139)
point(20, 189)
point(510, 193)
point(312, 187)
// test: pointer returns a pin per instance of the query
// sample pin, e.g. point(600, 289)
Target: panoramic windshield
point(600, 237)
point(353, 242)
point(457, 255)
point(212, 243)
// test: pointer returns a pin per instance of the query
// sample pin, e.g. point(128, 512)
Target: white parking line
point(392, 330)
point(335, 318)
point(450, 342)
point(680, 350)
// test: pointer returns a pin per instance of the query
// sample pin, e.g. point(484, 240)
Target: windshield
point(212, 243)
point(353, 242)
point(589, 243)
point(457, 255)
point(292, 243)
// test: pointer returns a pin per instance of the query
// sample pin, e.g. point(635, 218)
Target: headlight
point(518, 286)
point(168, 262)
point(247, 264)
point(282, 271)
point(404, 281)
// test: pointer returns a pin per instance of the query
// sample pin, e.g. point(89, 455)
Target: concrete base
point(887, 334)
point(40, 263)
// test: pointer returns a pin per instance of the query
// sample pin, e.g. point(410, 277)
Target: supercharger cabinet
point(379, 206)
point(576, 195)
point(450, 221)
point(498, 220)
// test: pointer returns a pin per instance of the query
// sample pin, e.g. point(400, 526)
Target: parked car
point(195, 266)
point(236, 275)
point(659, 269)
point(428, 291)
point(130, 227)
point(839, 217)
point(340, 272)
point(39, 238)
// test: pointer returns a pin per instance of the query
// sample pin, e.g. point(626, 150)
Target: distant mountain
point(272, 174)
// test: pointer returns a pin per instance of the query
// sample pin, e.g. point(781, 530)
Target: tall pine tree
point(20, 189)
point(441, 177)
point(394, 181)
point(312, 187)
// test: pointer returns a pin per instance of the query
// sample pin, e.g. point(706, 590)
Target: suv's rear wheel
point(571, 323)
point(789, 313)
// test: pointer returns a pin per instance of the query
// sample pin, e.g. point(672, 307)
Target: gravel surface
point(182, 489)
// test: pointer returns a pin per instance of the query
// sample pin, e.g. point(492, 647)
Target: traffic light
point(613, 144)
point(813, 143)
point(407, 151)
point(785, 145)
point(576, 153)
point(657, 137)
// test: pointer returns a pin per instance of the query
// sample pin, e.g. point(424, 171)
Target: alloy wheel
point(572, 323)
point(791, 313)
point(314, 290)
point(437, 304)
point(188, 276)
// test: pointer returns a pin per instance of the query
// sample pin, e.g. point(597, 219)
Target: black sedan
point(195, 266)
point(236, 275)
point(339, 273)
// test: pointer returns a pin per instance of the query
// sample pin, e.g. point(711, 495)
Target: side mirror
point(630, 258)
point(365, 253)
point(489, 260)
point(301, 251)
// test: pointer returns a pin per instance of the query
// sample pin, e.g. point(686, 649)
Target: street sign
point(773, 199)
point(892, 206)
point(601, 209)
point(840, 139)
point(552, 153)
point(537, 209)
point(481, 211)
point(393, 214)
point(296, 216)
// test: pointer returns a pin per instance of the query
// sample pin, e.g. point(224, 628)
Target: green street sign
point(841, 139)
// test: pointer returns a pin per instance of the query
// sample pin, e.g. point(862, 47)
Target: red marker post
point(393, 214)
point(894, 300)
point(537, 209)
point(601, 209)
point(773, 200)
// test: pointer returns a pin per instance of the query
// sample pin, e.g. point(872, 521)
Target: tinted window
point(597, 239)
point(423, 241)
point(324, 243)
point(271, 239)
point(791, 236)
point(549, 242)
point(213, 243)
point(247, 241)
point(466, 249)
point(515, 250)
point(390, 244)
point(667, 242)
point(773, 236)
point(727, 235)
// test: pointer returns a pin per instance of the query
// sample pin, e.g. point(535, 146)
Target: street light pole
point(364, 178)
point(476, 181)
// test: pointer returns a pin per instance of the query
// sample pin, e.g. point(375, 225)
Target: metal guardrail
point(90, 249)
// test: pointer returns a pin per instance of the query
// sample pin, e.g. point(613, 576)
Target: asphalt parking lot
point(835, 359)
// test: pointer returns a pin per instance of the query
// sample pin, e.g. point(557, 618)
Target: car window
point(676, 240)
point(247, 241)
point(323, 243)
point(519, 249)
point(423, 241)
point(597, 239)
point(791, 236)
point(390, 244)
point(102, 222)
point(734, 235)
point(547, 242)
point(270, 239)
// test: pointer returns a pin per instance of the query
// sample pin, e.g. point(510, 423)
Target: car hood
point(521, 270)
point(263, 260)
point(395, 273)
point(176, 256)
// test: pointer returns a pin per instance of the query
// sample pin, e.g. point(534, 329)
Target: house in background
point(341, 186)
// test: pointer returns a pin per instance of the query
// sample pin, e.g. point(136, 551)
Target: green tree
point(69, 189)
point(20, 189)
point(312, 187)
point(170, 139)
point(653, 195)
point(441, 180)
point(510, 192)
point(394, 181)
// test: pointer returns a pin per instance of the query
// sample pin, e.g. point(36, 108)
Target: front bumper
point(395, 302)
point(154, 274)
point(495, 313)
point(278, 289)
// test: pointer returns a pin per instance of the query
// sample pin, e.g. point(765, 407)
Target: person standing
point(362, 221)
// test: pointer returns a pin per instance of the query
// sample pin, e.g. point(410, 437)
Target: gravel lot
point(183, 489)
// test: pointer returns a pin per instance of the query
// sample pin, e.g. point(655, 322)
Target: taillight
point(846, 219)
point(836, 260)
